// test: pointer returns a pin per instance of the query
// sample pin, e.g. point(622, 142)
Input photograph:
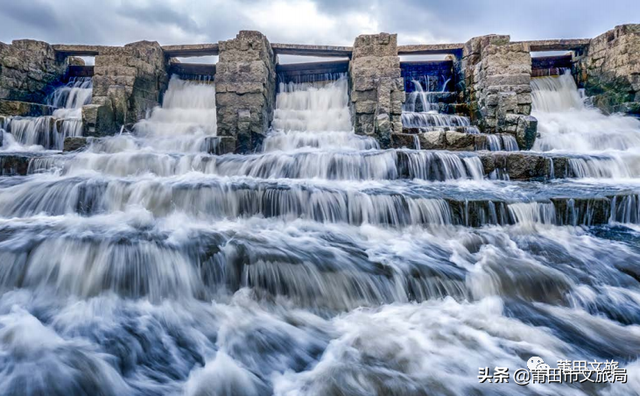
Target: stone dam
point(487, 81)
point(368, 223)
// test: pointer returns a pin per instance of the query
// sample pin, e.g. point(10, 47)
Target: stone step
point(516, 166)
point(15, 108)
point(217, 145)
point(397, 204)
point(17, 164)
point(452, 140)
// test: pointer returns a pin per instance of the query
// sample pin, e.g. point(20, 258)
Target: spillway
point(568, 124)
point(422, 110)
point(318, 265)
point(49, 132)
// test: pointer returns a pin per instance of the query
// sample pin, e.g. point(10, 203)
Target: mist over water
point(319, 266)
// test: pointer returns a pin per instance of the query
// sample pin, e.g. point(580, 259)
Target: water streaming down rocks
point(314, 116)
point(186, 121)
point(49, 132)
point(567, 123)
point(501, 142)
point(422, 110)
point(319, 266)
point(608, 145)
point(423, 115)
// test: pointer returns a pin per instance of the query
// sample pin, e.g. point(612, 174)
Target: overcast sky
point(335, 22)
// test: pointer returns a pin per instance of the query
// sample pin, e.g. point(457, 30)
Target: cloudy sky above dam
point(335, 22)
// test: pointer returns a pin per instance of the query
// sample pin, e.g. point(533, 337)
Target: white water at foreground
point(49, 132)
point(565, 123)
point(322, 266)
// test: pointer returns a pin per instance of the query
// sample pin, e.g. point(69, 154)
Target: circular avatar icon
point(533, 362)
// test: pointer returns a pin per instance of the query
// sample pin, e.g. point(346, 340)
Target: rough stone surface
point(526, 131)
point(460, 141)
point(14, 164)
point(518, 165)
point(74, 143)
point(23, 109)
point(29, 70)
point(219, 145)
point(127, 83)
point(440, 140)
point(610, 70)
point(245, 89)
point(497, 76)
point(377, 88)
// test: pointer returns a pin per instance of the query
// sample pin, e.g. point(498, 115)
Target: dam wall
point(29, 70)
point(498, 77)
point(245, 89)
point(487, 80)
point(609, 70)
point(127, 83)
point(377, 87)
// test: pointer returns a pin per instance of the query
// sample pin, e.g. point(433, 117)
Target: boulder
point(433, 140)
point(526, 132)
point(459, 141)
point(75, 143)
point(14, 164)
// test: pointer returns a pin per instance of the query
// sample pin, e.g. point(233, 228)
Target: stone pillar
point(377, 88)
point(611, 70)
point(245, 89)
point(498, 87)
point(127, 83)
point(29, 71)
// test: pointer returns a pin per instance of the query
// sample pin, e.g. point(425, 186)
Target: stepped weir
point(344, 227)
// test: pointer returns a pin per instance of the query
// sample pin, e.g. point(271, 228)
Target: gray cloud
point(158, 15)
point(34, 15)
point(306, 21)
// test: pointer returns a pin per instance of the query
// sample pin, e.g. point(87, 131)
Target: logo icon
point(534, 362)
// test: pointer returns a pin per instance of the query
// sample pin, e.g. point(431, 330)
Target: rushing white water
point(422, 110)
point(566, 123)
point(49, 132)
point(314, 116)
point(320, 266)
point(502, 142)
point(184, 122)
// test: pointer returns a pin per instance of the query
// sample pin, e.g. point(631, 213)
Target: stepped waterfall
point(319, 264)
point(49, 132)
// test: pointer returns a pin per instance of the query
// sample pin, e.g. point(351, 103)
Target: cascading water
point(566, 123)
point(186, 121)
point(422, 110)
point(319, 266)
point(314, 115)
point(49, 132)
point(603, 146)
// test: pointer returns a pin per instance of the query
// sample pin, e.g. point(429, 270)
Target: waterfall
point(318, 265)
point(49, 132)
point(311, 115)
point(184, 122)
point(501, 142)
point(566, 123)
point(422, 110)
